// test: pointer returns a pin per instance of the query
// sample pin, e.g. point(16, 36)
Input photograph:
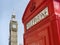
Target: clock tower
point(13, 30)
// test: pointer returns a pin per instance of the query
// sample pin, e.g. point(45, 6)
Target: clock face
point(14, 26)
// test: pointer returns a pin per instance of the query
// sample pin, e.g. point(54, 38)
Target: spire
point(13, 13)
point(13, 18)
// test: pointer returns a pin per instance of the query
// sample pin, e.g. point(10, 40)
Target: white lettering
point(39, 17)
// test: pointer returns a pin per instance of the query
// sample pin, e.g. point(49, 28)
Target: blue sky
point(6, 9)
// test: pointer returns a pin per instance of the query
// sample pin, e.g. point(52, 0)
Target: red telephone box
point(41, 21)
